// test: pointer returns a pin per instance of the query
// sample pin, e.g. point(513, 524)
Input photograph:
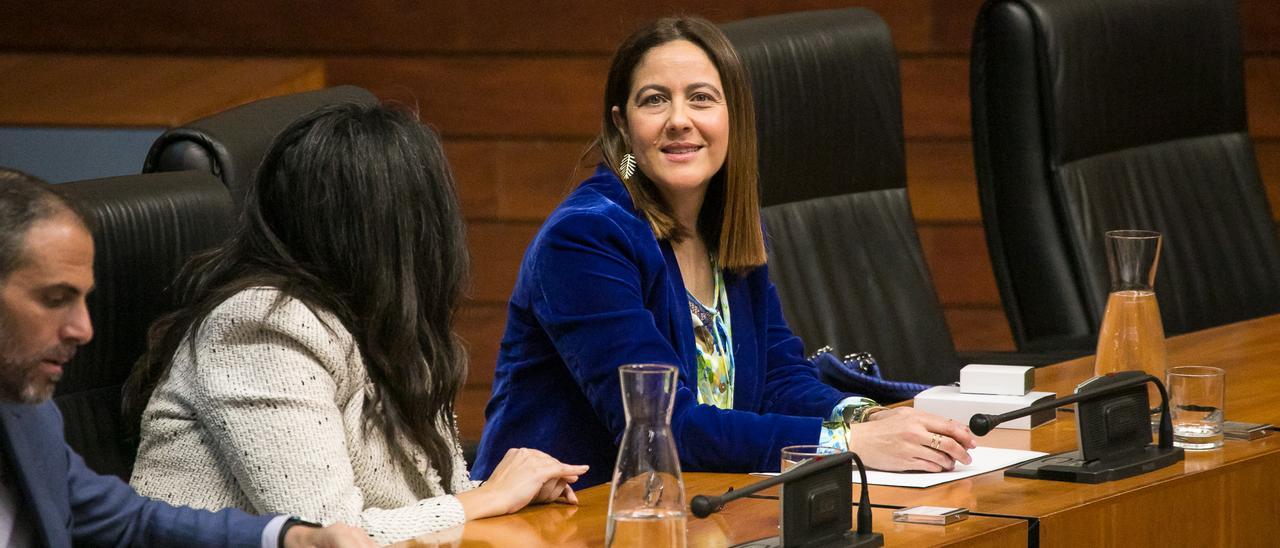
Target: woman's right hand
point(903, 438)
point(525, 476)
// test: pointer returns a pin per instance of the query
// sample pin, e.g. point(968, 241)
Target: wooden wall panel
point(140, 91)
point(958, 261)
point(469, 406)
point(1260, 20)
point(375, 26)
point(1262, 95)
point(487, 96)
point(951, 26)
point(981, 328)
point(490, 26)
point(935, 97)
point(516, 180)
point(941, 182)
point(480, 325)
point(496, 250)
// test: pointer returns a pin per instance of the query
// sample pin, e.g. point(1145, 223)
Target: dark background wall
point(515, 88)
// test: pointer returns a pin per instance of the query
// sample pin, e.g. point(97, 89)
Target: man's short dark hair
point(25, 199)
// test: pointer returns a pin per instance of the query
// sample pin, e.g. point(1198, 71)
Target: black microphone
point(1113, 429)
point(981, 423)
point(703, 505)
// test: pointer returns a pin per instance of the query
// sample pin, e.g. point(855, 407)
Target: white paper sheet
point(985, 459)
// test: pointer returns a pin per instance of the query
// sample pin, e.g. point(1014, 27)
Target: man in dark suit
point(48, 497)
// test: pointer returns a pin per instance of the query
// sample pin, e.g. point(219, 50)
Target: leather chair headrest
point(829, 118)
point(231, 144)
point(1109, 79)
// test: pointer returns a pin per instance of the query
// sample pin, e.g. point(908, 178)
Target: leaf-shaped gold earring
point(627, 167)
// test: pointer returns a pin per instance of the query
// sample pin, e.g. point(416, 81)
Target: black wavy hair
point(353, 210)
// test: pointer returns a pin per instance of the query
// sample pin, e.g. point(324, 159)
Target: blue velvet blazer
point(597, 290)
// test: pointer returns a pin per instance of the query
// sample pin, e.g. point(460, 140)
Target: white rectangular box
point(1008, 380)
point(949, 402)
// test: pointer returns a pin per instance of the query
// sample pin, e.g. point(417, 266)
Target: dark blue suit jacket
point(67, 503)
point(597, 290)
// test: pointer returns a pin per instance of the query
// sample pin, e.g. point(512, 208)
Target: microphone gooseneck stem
point(864, 499)
point(981, 423)
point(703, 506)
point(1166, 422)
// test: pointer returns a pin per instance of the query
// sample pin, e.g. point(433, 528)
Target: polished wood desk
point(741, 521)
point(1227, 497)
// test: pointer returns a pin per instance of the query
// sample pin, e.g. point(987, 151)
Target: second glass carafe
point(1132, 334)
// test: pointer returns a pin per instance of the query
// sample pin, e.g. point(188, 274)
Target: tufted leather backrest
point(1093, 116)
point(844, 252)
point(231, 144)
point(144, 228)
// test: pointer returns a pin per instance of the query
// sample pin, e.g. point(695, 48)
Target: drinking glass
point(795, 455)
point(1196, 398)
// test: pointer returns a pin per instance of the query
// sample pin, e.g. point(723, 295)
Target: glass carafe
point(1132, 335)
point(646, 503)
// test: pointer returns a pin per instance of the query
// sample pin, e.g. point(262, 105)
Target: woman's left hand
point(524, 476)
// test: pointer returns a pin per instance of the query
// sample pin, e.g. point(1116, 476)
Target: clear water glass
point(1197, 395)
point(795, 455)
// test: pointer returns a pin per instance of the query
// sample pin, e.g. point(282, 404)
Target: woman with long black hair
point(313, 368)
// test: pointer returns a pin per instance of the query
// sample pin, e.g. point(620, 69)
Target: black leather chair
point(144, 228)
point(231, 144)
point(1092, 116)
point(843, 247)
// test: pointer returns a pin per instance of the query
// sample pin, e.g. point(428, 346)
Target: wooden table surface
point(140, 91)
point(741, 521)
point(1227, 497)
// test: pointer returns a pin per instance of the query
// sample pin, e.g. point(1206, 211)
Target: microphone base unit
point(850, 539)
point(1070, 467)
point(817, 510)
point(816, 503)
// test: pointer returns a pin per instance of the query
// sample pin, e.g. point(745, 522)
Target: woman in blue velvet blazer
point(663, 261)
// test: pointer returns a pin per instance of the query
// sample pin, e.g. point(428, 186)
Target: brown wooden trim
point(487, 96)
point(132, 91)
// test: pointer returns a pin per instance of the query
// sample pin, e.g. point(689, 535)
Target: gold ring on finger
point(935, 442)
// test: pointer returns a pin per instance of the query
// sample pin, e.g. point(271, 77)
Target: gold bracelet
point(852, 412)
point(865, 413)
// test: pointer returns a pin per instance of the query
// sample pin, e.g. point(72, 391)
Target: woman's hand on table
point(903, 438)
point(523, 477)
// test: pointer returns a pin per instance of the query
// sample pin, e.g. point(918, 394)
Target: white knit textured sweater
point(267, 418)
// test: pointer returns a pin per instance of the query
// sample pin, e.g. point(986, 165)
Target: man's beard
point(21, 380)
